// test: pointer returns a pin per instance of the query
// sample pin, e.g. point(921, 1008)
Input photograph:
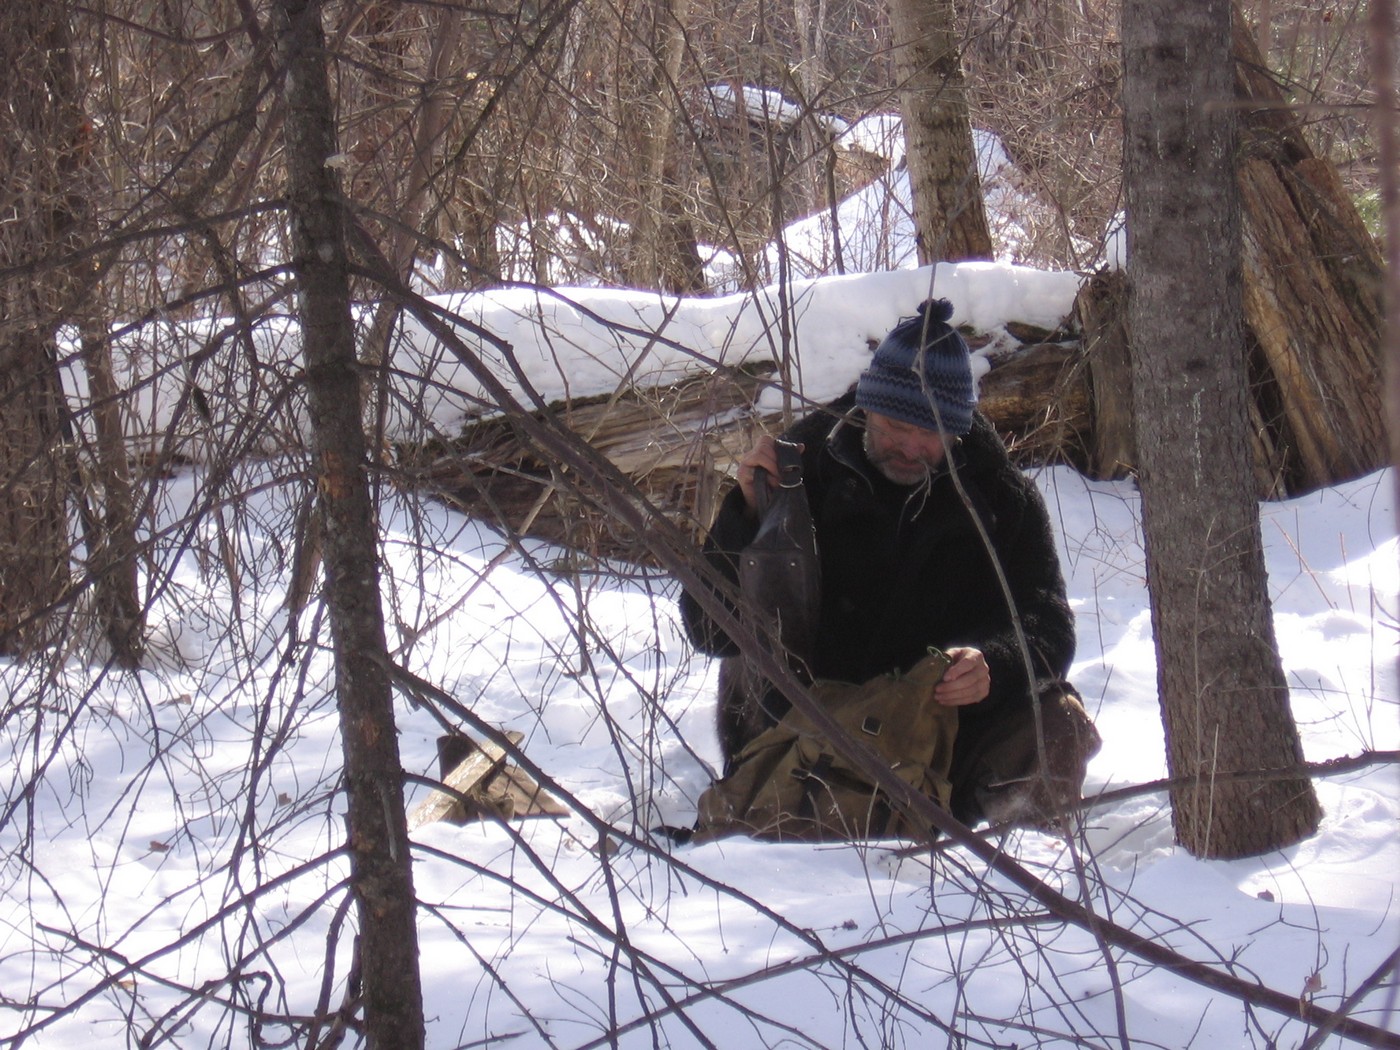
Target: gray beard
point(916, 484)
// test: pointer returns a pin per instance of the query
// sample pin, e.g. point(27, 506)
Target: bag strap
point(789, 464)
point(789, 475)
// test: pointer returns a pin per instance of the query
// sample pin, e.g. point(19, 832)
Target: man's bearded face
point(902, 452)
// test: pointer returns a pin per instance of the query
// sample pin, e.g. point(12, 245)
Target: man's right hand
point(764, 455)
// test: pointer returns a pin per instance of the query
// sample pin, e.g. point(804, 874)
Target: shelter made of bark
point(680, 445)
point(1312, 295)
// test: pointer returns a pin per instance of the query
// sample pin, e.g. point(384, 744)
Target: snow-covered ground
point(169, 837)
point(161, 825)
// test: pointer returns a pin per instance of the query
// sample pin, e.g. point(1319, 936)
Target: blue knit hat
point(921, 373)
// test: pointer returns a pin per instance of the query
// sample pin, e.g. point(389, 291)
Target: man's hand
point(968, 679)
point(763, 455)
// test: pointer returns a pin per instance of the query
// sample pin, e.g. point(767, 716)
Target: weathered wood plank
point(485, 759)
point(514, 794)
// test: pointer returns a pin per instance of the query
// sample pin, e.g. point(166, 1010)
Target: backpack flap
point(791, 783)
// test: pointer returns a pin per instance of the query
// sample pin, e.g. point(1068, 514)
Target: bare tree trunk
point(949, 216)
point(53, 176)
point(111, 533)
point(102, 473)
point(1383, 58)
point(36, 124)
point(414, 209)
point(816, 157)
point(412, 206)
point(1223, 693)
point(378, 834)
point(664, 254)
point(33, 522)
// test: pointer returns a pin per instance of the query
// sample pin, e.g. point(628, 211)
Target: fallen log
point(1039, 401)
point(680, 445)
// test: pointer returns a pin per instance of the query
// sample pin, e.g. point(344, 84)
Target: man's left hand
point(968, 679)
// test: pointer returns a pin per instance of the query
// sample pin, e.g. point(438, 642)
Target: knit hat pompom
point(921, 373)
point(935, 310)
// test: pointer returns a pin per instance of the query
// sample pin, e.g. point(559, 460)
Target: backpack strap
point(812, 781)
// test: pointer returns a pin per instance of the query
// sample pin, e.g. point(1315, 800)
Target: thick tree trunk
point(1223, 693)
point(380, 859)
point(33, 476)
point(1387, 116)
point(38, 124)
point(1313, 307)
point(949, 216)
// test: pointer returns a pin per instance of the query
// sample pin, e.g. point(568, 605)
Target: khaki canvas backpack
point(791, 783)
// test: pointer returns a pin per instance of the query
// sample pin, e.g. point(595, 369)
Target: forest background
point(152, 160)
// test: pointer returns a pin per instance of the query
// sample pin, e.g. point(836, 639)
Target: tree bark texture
point(109, 507)
point(378, 836)
point(1314, 298)
point(1102, 307)
point(663, 251)
point(50, 186)
point(39, 122)
point(949, 217)
point(33, 488)
point(1223, 693)
point(1387, 116)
